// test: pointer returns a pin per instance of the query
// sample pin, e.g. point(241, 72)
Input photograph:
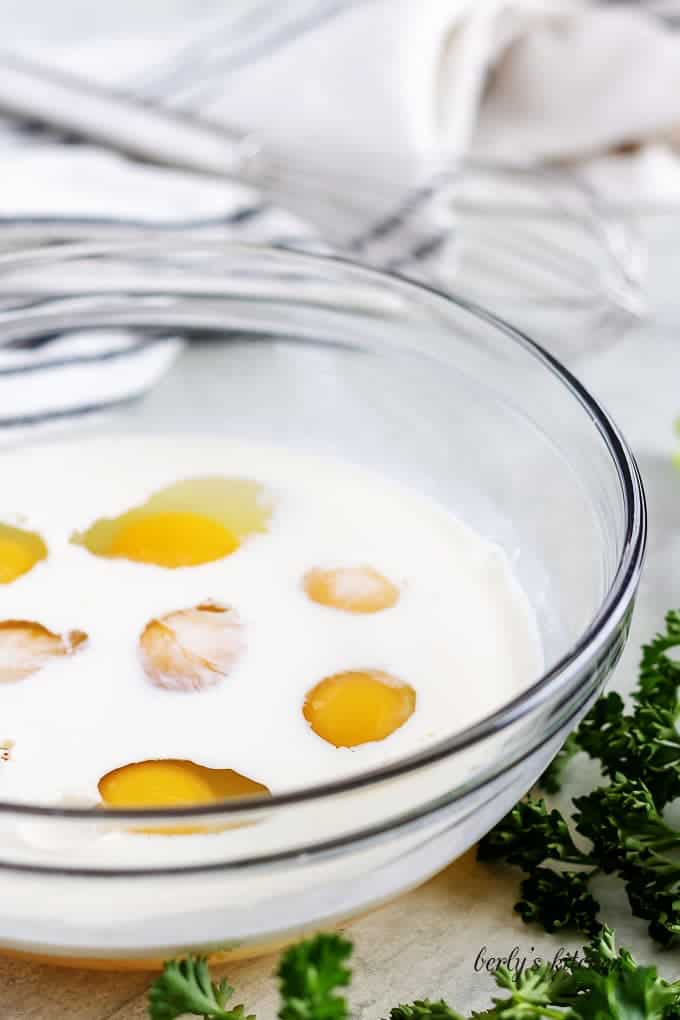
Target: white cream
point(462, 634)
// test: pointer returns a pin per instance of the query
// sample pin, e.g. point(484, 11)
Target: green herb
point(600, 983)
point(185, 987)
point(424, 1009)
point(639, 755)
point(559, 900)
point(309, 974)
point(603, 985)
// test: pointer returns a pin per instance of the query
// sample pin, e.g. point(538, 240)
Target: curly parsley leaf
point(309, 975)
point(600, 983)
point(639, 756)
point(606, 985)
point(603, 734)
point(623, 822)
point(659, 673)
point(425, 1009)
point(530, 835)
point(559, 900)
point(185, 987)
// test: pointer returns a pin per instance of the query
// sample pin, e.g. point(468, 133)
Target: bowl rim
point(557, 680)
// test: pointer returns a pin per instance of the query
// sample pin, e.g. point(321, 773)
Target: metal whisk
point(520, 240)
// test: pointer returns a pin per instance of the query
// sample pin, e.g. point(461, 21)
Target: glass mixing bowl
point(331, 358)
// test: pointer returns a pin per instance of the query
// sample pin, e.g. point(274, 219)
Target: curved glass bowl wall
point(326, 357)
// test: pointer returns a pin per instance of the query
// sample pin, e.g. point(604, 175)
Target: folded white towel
point(388, 89)
point(395, 85)
point(77, 374)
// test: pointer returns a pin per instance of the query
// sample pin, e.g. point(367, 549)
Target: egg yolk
point(173, 539)
point(196, 521)
point(354, 589)
point(355, 708)
point(19, 552)
point(174, 783)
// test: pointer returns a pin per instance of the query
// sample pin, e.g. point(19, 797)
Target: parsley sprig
point(185, 987)
point(599, 984)
point(309, 974)
point(605, 985)
point(639, 756)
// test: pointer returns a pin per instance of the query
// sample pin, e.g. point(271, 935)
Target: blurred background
point(522, 153)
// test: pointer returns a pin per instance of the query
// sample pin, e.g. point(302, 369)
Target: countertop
point(428, 943)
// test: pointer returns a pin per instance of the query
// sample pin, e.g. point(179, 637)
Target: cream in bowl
point(210, 609)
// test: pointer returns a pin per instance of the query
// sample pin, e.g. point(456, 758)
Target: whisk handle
point(118, 121)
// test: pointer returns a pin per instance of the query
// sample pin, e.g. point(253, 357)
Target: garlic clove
point(191, 649)
point(26, 646)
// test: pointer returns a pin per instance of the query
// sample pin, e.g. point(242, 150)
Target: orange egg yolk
point(173, 539)
point(19, 552)
point(188, 523)
point(354, 589)
point(174, 783)
point(348, 709)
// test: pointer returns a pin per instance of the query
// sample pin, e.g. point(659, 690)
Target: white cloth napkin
point(56, 379)
point(376, 99)
point(387, 88)
point(393, 86)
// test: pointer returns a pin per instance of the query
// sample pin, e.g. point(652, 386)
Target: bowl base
point(147, 963)
point(215, 959)
point(221, 957)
